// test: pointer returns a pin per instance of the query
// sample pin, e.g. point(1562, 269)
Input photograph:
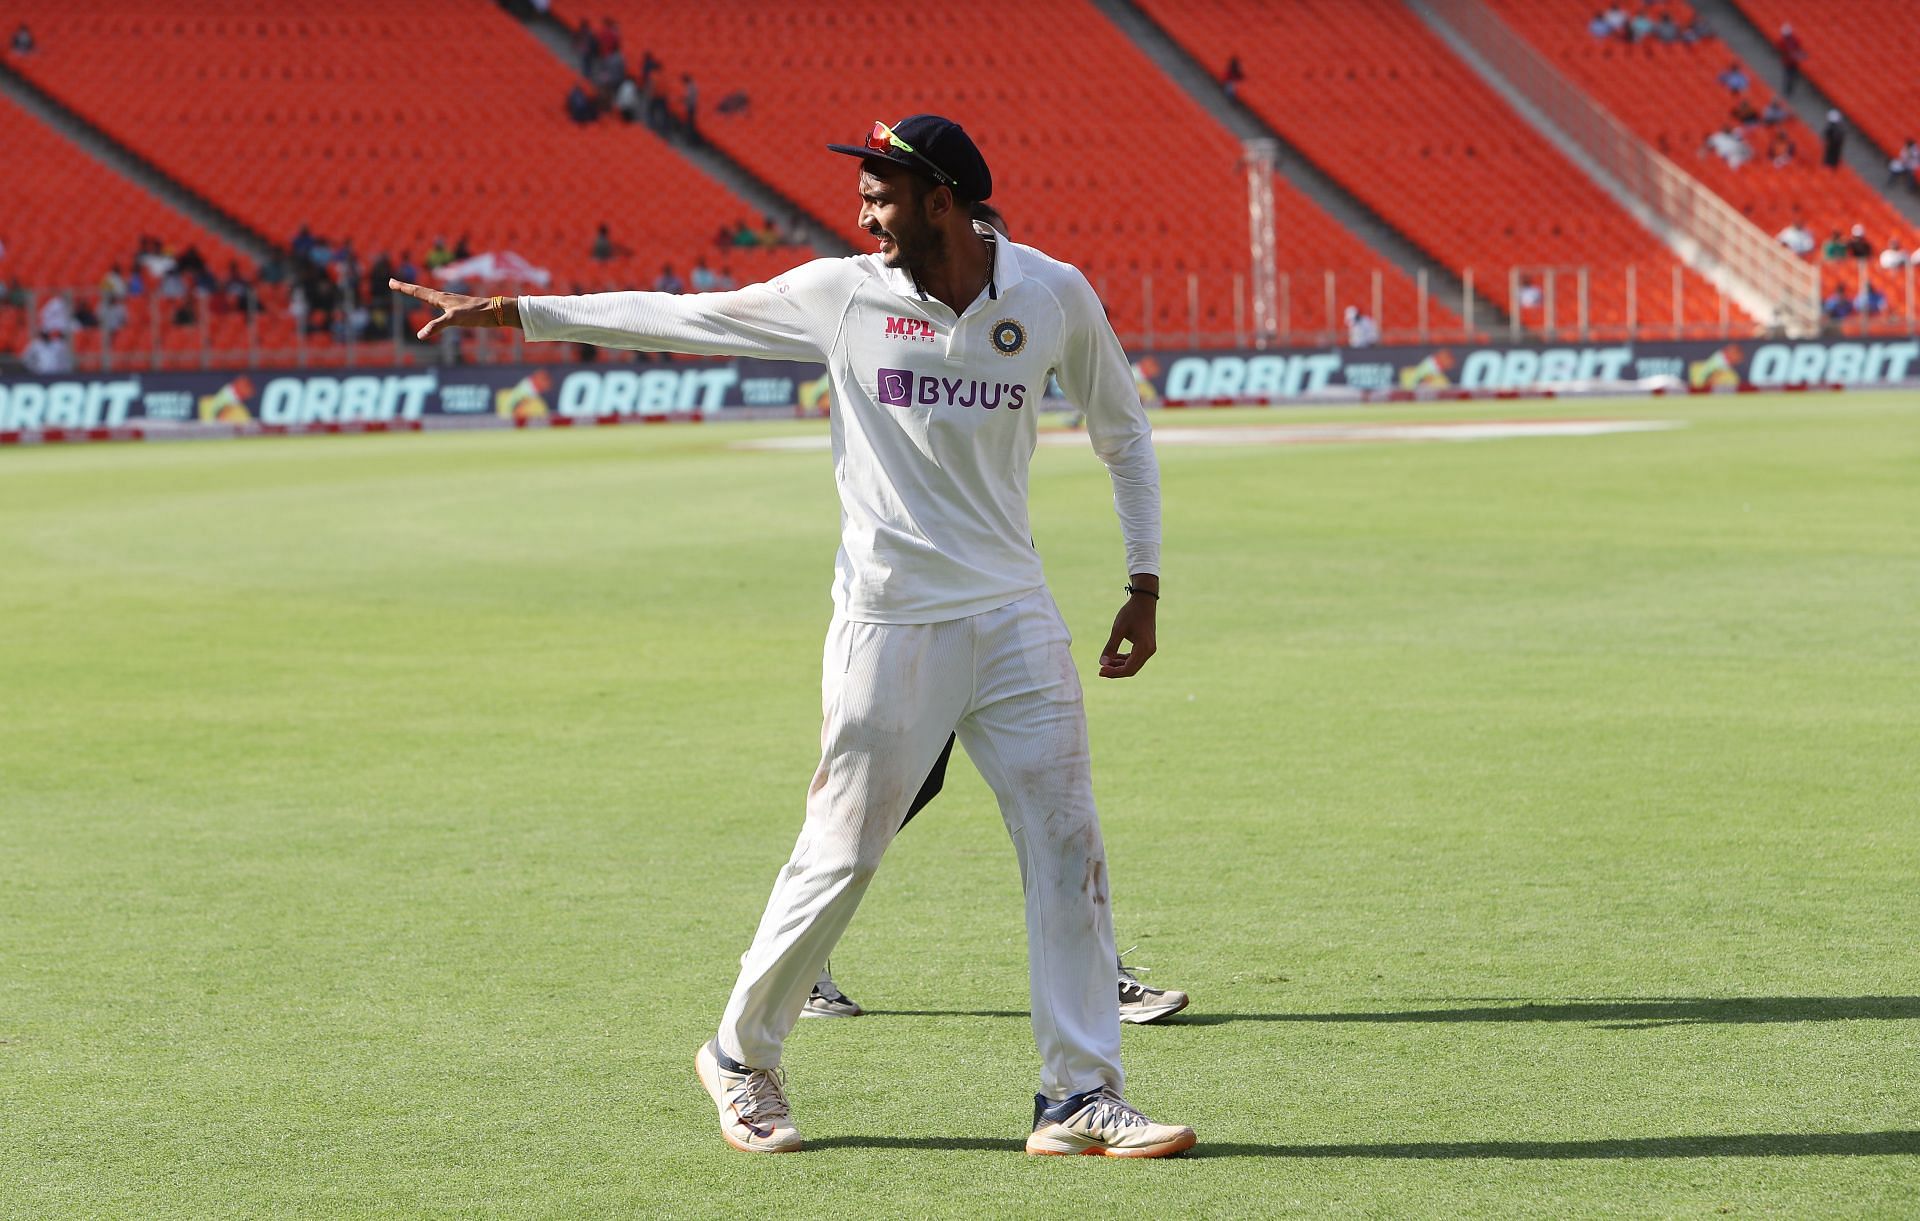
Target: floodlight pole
point(1259, 159)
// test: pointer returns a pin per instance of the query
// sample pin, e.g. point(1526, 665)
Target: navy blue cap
point(945, 151)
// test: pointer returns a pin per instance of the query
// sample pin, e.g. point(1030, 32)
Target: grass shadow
point(1746, 1144)
point(1612, 1013)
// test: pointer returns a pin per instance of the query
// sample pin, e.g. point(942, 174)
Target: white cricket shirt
point(933, 415)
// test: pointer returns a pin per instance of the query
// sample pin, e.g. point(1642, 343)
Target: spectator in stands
point(1742, 111)
point(1858, 247)
point(1796, 236)
point(1616, 19)
point(302, 244)
point(463, 249)
point(1530, 295)
point(1905, 165)
point(743, 235)
point(113, 316)
point(1792, 53)
point(1869, 301)
point(56, 314)
point(48, 355)
point(1666, 29)
point(668, 282)
point(1775, 114)
point(1837, 306)
point(607, 75)
point(114, 283)
point(704, 280)
point(1697, 31)
point(1894, 257)
point(581, 107)
point(1640, 29)
point(1231, 78)
point(136, 282)
point(690, 105)
point(239, 293)
point(627, 101)
point(1730, 146)
point(1833, 139)
point(1362, 331)
point(1734, 77)
point(609, 39)
point(586, 46)
point(1781, 150)
point(23, 43)
point(439, 256)
point(1834, 248)
point(724, 279)
point(1598, 27)
point(604, 247)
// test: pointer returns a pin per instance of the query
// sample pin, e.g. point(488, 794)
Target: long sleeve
point(794, 316)
point(1097, 378)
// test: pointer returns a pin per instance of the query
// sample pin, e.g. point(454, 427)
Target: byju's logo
point(910, 328)
point(900, 388)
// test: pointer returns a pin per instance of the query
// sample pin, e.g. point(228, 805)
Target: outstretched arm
point(795, 316)
point(458, 309)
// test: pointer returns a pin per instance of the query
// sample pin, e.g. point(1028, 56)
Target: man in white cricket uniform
point(939, 347)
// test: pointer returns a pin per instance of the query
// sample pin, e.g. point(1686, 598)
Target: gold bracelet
point(499, 311)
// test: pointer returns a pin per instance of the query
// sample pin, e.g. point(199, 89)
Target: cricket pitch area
point(1533, 822)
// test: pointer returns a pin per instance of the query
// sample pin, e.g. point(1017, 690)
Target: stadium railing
point(1554, 307)
point(1788, 289)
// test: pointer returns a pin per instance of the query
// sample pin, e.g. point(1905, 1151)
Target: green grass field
point(1535, 822)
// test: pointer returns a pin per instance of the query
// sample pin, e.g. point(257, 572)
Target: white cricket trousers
point(891, 693)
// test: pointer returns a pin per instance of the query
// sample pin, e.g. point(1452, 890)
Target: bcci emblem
point(1008, 337)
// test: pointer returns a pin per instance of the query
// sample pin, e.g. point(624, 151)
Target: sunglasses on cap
point(882, 139)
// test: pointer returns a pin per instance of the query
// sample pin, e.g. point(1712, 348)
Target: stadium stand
point(387, 125)
point(1671, 95)
point(1115, 170)
point(1867, 59)
point(70, 219)
point(1369, 93)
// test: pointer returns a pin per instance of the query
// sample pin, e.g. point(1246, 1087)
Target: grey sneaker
point(1142, 1005)
point(828, 1001)
point(752, 1102)
point(1101, 1123)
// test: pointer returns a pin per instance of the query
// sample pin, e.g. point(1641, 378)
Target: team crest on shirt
point(1008, 337)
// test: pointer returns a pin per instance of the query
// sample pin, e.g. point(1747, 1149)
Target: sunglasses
point(882, 139)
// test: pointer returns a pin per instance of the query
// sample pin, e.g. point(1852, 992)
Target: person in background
point(1362, 331)
point(1775, 113)
point(48, 355)
point(581, 107)
point(586, 46)
point(690, 105)
point(1796, 237)
point(668, 282)
point(604, 247)
point(1666, 29)
point(704, 280)
point(1905, 165)
point(1598, 27)
point(1230, 79)
point(1734, 77)
point(627, 101)
point(1833, 139)
point(1742, 111)
point(1894, 257)
point(23, 43)
point(439, 256)
point(1834, 248)
point(1792, 53)
point(1838, 307)
point(1869, 301)
point(1781, 150)
point(1858, 247)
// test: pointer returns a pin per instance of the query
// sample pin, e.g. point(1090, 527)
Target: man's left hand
point(1134, 624)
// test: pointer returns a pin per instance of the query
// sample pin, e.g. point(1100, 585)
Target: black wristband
point(1135, 589)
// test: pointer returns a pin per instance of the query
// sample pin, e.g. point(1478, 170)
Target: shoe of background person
point(1140, 1004)
point(1101, 1123)
point(827, 1000)
point(752, 1102)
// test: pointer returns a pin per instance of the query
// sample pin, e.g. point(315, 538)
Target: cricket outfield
point(1535, 821)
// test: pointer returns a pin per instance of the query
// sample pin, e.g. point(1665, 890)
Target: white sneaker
point(1100, 1122)
point(828, 1001)
point(1140, 1004)
point(752, 1102)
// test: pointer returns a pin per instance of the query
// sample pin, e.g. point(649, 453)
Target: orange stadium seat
point(387, 124)
point(1865, 57)
point(1099, 159)
point(69, 219)
point(1365, 90)
point(1669, 94)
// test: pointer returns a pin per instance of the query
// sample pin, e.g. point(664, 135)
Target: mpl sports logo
point(904, 388)
point(911, 328)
